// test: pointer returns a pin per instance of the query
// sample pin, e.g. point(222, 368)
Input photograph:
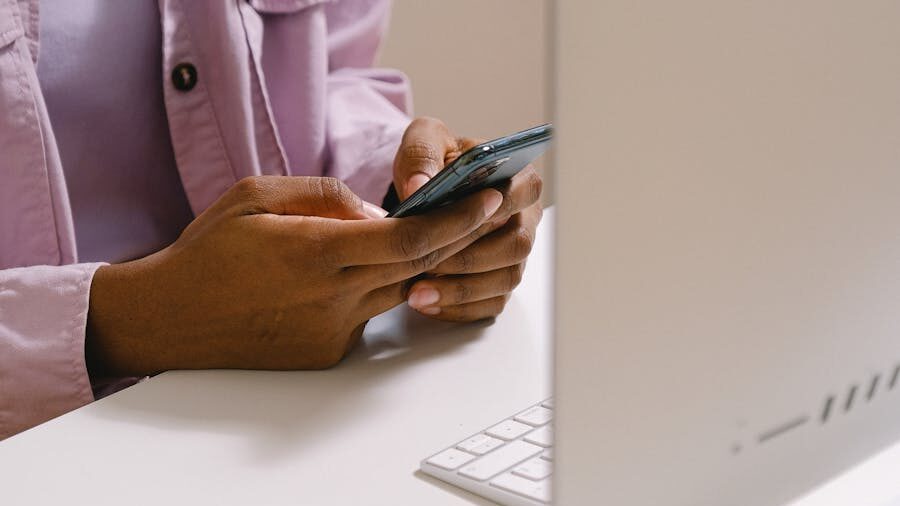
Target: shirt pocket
point(284, 6)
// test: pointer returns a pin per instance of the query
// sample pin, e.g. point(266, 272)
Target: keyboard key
point(534, 469)
point(542, 436)
point(480, 444)
point(508, 430)
point(535, 416)
point(499, 460)
point(548, 404)
point(487, 446)
point(450, 459)
point(536, 490)
point(548, 454)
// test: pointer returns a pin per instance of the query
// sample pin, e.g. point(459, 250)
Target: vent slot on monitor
point(873, 387)
point(851, 396)
point(894, 377)
point(834, 405)
point(826, 411)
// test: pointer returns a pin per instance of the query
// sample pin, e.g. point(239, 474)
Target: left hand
point(476, 282)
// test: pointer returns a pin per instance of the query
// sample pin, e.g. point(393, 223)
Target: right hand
point(279, 273)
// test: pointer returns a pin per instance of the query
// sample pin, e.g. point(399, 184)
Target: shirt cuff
point(43, 318)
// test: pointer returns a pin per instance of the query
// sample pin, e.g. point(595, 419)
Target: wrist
point(113, 345)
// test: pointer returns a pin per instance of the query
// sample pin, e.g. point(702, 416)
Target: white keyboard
point(509, 462)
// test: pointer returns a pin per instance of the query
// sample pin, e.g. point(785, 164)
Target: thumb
point(421, 155)
point(302, 196)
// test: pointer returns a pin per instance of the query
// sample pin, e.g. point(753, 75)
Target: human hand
point(279, 273)
point(476, 282)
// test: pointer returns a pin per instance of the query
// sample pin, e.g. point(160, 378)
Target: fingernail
point(415, 182)
point(423, 296)
point(374, 211)
point(492, 202)
point(430, 311)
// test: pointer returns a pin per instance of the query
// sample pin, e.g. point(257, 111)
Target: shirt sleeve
point(43, 317)
point(368, 108)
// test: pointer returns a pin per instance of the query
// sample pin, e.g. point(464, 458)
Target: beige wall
point(479, 65)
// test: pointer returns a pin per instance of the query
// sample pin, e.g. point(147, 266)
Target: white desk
point(874, 482)
point(351, 435)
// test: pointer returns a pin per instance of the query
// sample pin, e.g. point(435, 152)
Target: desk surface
point(350, 435)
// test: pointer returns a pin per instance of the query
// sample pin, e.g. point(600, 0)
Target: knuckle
point(250, 186)
point(463, 261)
point(337, 194)
point(461, 293)
point(498, 305)
point(411, 243)
point(501, 304)
point(522, 243)
point(419, 152)
point(344, 193)
point(427, 262)
point(247, 195)
point(515, 273)
point(535, 187)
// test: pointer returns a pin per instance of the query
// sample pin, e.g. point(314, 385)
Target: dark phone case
point(487, 165)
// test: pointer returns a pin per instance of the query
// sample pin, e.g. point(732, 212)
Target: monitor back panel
point(728, 290)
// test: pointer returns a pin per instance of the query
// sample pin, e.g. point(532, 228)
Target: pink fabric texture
point(285, 87)
point(42, 370)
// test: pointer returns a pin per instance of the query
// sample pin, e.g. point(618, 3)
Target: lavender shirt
point(107, 111)
point(283, 87)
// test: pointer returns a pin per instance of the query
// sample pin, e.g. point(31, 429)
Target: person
point(189, 185)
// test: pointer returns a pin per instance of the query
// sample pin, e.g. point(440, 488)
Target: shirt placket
point(214, 147)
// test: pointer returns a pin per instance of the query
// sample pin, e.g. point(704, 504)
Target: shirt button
point(184, 76)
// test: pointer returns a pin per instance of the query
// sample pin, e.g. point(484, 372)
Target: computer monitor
point(728, 288)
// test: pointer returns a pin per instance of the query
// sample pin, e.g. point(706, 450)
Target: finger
point(298, 196)
point(473, 311)
point(509, 245)
point(393, 240)
point(385, 298)
point(522, 191)
point(421, 154)
point(456, 290)
point(427, 146)
point(385, 274)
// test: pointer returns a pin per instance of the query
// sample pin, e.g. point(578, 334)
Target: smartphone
point(487, 165)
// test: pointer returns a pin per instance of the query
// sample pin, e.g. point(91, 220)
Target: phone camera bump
point(485, 171)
